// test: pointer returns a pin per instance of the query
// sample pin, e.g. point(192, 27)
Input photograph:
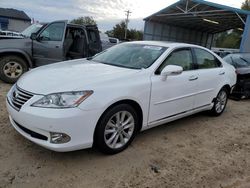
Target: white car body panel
point(174, 100)
point(161, 100)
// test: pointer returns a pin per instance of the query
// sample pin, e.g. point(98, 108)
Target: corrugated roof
point(201, 15)
point(13, 13)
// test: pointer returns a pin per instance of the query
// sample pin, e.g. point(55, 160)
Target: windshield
point(31, 29)
point(238, 60)
point(129, 55)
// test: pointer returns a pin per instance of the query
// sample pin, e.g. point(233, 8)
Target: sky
point(107, 13)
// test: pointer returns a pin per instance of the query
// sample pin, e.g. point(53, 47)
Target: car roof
point(240, 53)
point(82, 26)
point(166, 44)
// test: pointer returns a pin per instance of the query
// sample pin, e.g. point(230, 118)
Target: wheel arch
point(18, 53)
point(227, 87)
point(130, 102)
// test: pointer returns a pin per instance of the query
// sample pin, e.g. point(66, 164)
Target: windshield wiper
point(117, 65)
point(244, 60)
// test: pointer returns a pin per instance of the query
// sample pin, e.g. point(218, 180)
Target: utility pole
point(126, 23)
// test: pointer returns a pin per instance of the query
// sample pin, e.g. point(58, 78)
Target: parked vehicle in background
point(114, 40)
point(107, 41)
point(31, 29)
point(222, 52)
point(241, 62)
point(9, 34)
point(53, 42)
point(24, 34)
point(105, 100)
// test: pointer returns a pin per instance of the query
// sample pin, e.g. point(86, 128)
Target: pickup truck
point(53, 42)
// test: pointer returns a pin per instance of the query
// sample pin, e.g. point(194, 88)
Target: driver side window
point(180, 57)
point(54, 32)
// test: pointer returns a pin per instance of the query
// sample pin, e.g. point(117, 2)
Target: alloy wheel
point(221, 101)
point(119, 129)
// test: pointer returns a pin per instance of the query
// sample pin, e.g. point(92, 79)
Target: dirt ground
point(198, 151)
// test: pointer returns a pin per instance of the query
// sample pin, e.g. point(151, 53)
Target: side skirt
point(177, 116)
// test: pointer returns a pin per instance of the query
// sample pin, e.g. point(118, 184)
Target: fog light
point(59, 138)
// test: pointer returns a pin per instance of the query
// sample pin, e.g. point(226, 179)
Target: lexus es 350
point(105, 100)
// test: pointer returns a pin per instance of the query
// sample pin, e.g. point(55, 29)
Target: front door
point(48, 47)
point(175, 95)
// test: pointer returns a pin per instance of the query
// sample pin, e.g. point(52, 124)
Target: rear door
point(94, 41)
point(48, 48)
point(211, 76)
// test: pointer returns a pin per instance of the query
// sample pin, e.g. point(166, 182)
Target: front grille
point(32, 133)
point(19, 97)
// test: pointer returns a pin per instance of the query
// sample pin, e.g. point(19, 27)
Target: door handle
point(222, 73)
point(57, 46)
point(192, 78)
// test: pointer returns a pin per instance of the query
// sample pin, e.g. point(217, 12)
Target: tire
point(220, 102)
point(237, 97)
point(116, 129)
point(11, 68)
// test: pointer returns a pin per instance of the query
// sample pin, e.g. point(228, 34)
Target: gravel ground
point(198, 151)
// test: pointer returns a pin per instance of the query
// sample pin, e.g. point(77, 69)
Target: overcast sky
point(106, 12)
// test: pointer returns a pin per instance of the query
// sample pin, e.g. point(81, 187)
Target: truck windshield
point(31, 29)
point(130, 55)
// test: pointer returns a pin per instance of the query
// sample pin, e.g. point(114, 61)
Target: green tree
point(118, 31)
point(86, 20)
point(231, 39)
point(246, 5)
point(134, 34)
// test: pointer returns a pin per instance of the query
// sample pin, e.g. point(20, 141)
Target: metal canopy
point(201, 15)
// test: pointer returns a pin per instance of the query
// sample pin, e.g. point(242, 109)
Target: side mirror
point(33, 36)
point(171, 70)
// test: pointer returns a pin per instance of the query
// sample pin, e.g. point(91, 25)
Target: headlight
point(63, 100)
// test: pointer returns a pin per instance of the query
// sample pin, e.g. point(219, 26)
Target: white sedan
point(105, 100)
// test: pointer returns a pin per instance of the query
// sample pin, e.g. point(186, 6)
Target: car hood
point(15, 43)
point(10, 37)
point(73, 75)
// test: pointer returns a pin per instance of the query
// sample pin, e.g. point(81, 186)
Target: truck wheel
point(11, 68)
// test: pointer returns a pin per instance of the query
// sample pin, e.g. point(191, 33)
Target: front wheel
point(11, 68)
point(116, 129)
point(220, 102)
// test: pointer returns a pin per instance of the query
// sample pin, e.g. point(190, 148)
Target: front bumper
point(75, 122)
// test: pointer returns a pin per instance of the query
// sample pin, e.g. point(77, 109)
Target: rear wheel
point(220, 102)
point(11, 68)
point(116, 129)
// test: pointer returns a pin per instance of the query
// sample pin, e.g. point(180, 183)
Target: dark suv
point(54, 42)
point(241, 62)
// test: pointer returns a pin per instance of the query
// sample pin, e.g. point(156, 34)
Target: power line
point(126, 22)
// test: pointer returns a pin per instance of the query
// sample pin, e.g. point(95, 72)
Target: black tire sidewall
point(99, 133)
point(4, 60)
